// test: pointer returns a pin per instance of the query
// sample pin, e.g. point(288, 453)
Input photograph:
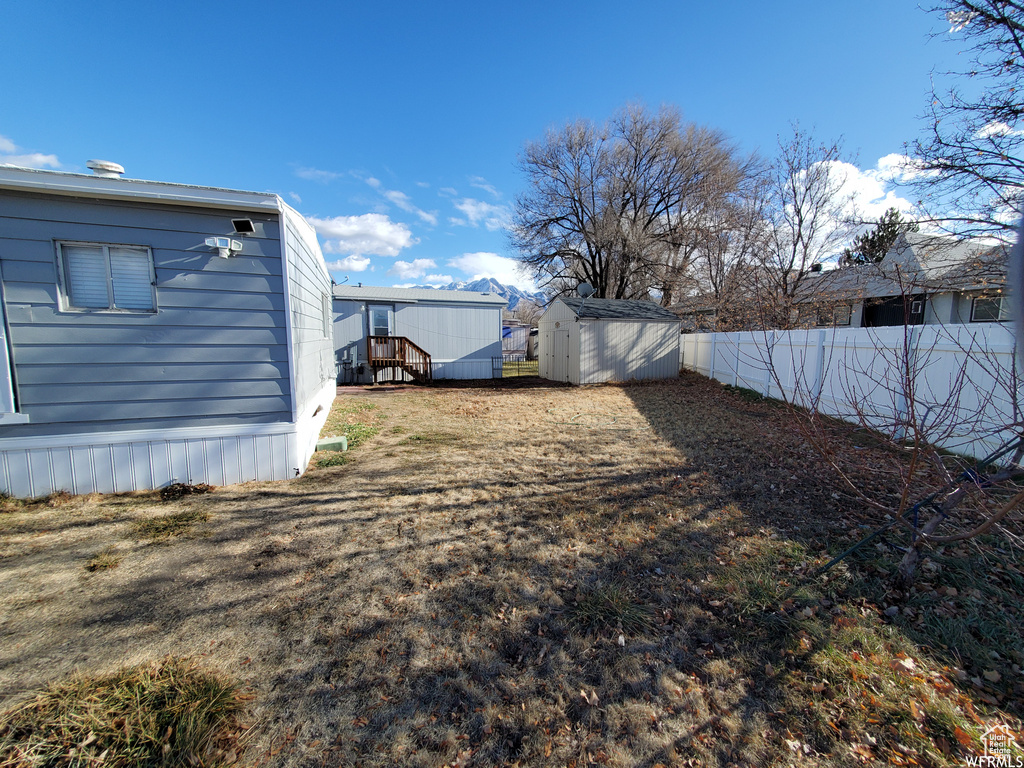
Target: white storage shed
point(590, 341)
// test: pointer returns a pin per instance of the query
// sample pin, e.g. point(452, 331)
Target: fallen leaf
point(963, 737)
point(904, 665)
point(992, 676)
point(817, 687)
point(917, 711)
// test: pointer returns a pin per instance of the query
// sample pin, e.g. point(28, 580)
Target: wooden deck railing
point(399, 354)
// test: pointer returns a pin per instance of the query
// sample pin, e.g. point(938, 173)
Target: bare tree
point(525, 312)
point(970, 167)
point(806, 217)
point(609, 204)
point(727, 247)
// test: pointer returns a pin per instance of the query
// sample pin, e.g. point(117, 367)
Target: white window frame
point(390, 315)
point(325, 303)
point(1002, 315)
point(8, 413)
point(66, 304)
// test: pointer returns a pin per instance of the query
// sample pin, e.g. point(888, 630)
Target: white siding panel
point(82, 479)
point(17, 476)
point(106, 464)
point(247, 457)
point(463, 369)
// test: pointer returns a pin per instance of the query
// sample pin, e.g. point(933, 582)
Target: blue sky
point(395, 126)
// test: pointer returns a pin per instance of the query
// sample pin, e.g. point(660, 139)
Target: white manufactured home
point(416, 333)
point(156, 333)
point(591, 341)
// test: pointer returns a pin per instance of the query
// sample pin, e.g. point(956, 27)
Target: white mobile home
point(156, 333)
point(590, 341)
point(416, 333)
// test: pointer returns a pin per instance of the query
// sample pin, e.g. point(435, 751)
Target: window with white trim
point(989, 309)
point(98, 276)
point(326, 306)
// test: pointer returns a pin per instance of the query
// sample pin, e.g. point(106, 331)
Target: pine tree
point(871, 247)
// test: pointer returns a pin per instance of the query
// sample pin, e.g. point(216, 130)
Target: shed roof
point(415, 295)
point(618, 309)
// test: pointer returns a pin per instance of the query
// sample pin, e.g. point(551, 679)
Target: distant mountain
point(510, 293)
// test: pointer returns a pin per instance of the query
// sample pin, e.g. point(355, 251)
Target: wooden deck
point(399, 356)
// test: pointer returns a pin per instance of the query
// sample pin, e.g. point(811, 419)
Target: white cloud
point(898, 169)
point(315, 174)
point(477, 212)
point(481, 183)
point(447, 191)
point(12, 154)
point(349, 264)
point(294, 196)
point(408, 270)
point(375, 183)
point(868, 191)
point(997, 128)
point(423, 184)
point(501, 268)
point(438, 279)
point(370, 233)
point(404, 202)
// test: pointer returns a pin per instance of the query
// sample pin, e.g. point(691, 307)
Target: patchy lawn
point(533, 576)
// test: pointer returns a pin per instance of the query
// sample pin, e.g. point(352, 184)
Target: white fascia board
point(144, 435)
point(81, 185)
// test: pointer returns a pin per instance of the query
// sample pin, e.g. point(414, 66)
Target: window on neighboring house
point(838, 314)
point(107, 277)
point(989, 309)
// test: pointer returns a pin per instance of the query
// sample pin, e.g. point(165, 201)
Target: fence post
point(819, 384)
point(736, 366)
point(768, 365)
point(714, 346)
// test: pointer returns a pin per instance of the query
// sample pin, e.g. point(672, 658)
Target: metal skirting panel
point(115, 467)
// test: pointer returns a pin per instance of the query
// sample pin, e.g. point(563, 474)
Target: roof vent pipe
point(105, 169)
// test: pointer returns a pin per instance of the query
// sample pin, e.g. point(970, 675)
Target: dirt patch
point(536, 575)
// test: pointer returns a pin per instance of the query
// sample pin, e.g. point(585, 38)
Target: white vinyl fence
point(964, 390)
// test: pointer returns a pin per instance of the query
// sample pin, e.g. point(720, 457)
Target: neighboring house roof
point(415, 295)
point(617, 309)
point(917, 263)
point(89, 185)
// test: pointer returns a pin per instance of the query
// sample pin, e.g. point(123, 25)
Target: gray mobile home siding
point(461, 339)
point(214, 352)
point(309, 292)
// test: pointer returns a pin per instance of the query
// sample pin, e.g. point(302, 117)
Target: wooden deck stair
point(397, 353)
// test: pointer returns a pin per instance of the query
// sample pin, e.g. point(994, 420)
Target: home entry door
point(381, 319)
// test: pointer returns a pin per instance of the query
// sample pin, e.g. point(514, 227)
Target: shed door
point(559, 347)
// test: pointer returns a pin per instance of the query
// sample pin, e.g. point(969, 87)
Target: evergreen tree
point(871, 247)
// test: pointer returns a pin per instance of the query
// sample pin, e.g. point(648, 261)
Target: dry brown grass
point(533, 576)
